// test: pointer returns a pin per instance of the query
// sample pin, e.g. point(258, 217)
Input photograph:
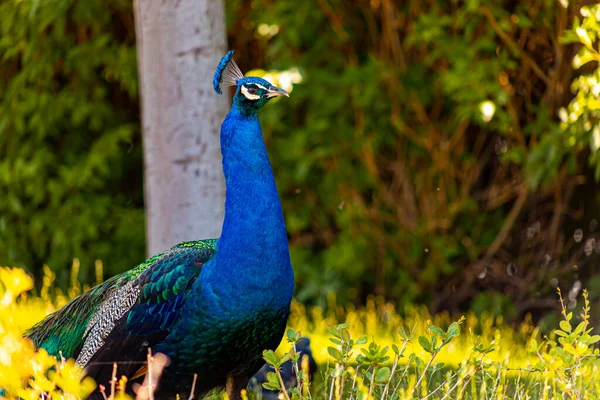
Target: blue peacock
point(212, 306)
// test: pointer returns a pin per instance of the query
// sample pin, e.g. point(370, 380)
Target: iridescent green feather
point(62, 333)
point(160, 278)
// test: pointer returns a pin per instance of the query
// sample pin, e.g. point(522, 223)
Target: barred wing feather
point(119, 319)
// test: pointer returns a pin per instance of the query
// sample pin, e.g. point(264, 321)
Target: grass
point(367, 353)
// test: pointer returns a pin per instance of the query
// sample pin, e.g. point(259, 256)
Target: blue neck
point(253, 243)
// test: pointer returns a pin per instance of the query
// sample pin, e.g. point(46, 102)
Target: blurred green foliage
point(433, 150)
point(70, 155)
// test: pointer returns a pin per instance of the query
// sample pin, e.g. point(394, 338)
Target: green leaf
point(273, 378)
point(333, 331)
point(382, 375)
point(436, 330)
point(579, 328)
point(270, 357)
point(533, 346)
point(561, 333)
point(345, 335)
point(271, 386)
point(403, 333)
point(284, 358)
point(453, 330)
point(335, 353)
point(291, 335)
point(362, 340)
point(593, 339)
point(565, 326)
point(424, 342)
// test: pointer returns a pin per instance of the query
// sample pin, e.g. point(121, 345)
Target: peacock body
point(211, 306)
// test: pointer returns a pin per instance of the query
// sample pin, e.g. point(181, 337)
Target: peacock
point(212, 306)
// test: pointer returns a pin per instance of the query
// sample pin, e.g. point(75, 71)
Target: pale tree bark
point(179, 44)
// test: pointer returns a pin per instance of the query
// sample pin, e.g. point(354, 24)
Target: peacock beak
point(276, 92)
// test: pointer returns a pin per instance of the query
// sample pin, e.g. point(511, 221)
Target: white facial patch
point(249, 95)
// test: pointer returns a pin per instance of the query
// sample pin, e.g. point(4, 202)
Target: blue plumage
point(227, 73)
point(211, 306)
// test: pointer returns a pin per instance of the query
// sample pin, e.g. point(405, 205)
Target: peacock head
point(251, 92)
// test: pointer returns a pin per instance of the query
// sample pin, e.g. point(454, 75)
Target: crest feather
point(227, 73)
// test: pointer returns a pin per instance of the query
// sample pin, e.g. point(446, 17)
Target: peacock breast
point(223, 328)
point(217, 343)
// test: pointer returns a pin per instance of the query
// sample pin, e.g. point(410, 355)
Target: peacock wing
point(61, 333)
point(140, 312)
point(117, 320)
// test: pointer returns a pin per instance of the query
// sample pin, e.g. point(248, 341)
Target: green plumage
point(62, 333)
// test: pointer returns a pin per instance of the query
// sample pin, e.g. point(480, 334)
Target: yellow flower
point(15, 282)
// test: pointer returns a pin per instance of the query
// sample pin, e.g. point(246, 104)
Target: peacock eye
point(252, 90)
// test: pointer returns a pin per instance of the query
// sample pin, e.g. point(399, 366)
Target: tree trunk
point(179, 44)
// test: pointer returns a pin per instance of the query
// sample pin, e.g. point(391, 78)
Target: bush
point(563, 366)
point(70, 154)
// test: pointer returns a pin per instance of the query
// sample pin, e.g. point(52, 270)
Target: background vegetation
point(434, 152)
point(70, 145)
